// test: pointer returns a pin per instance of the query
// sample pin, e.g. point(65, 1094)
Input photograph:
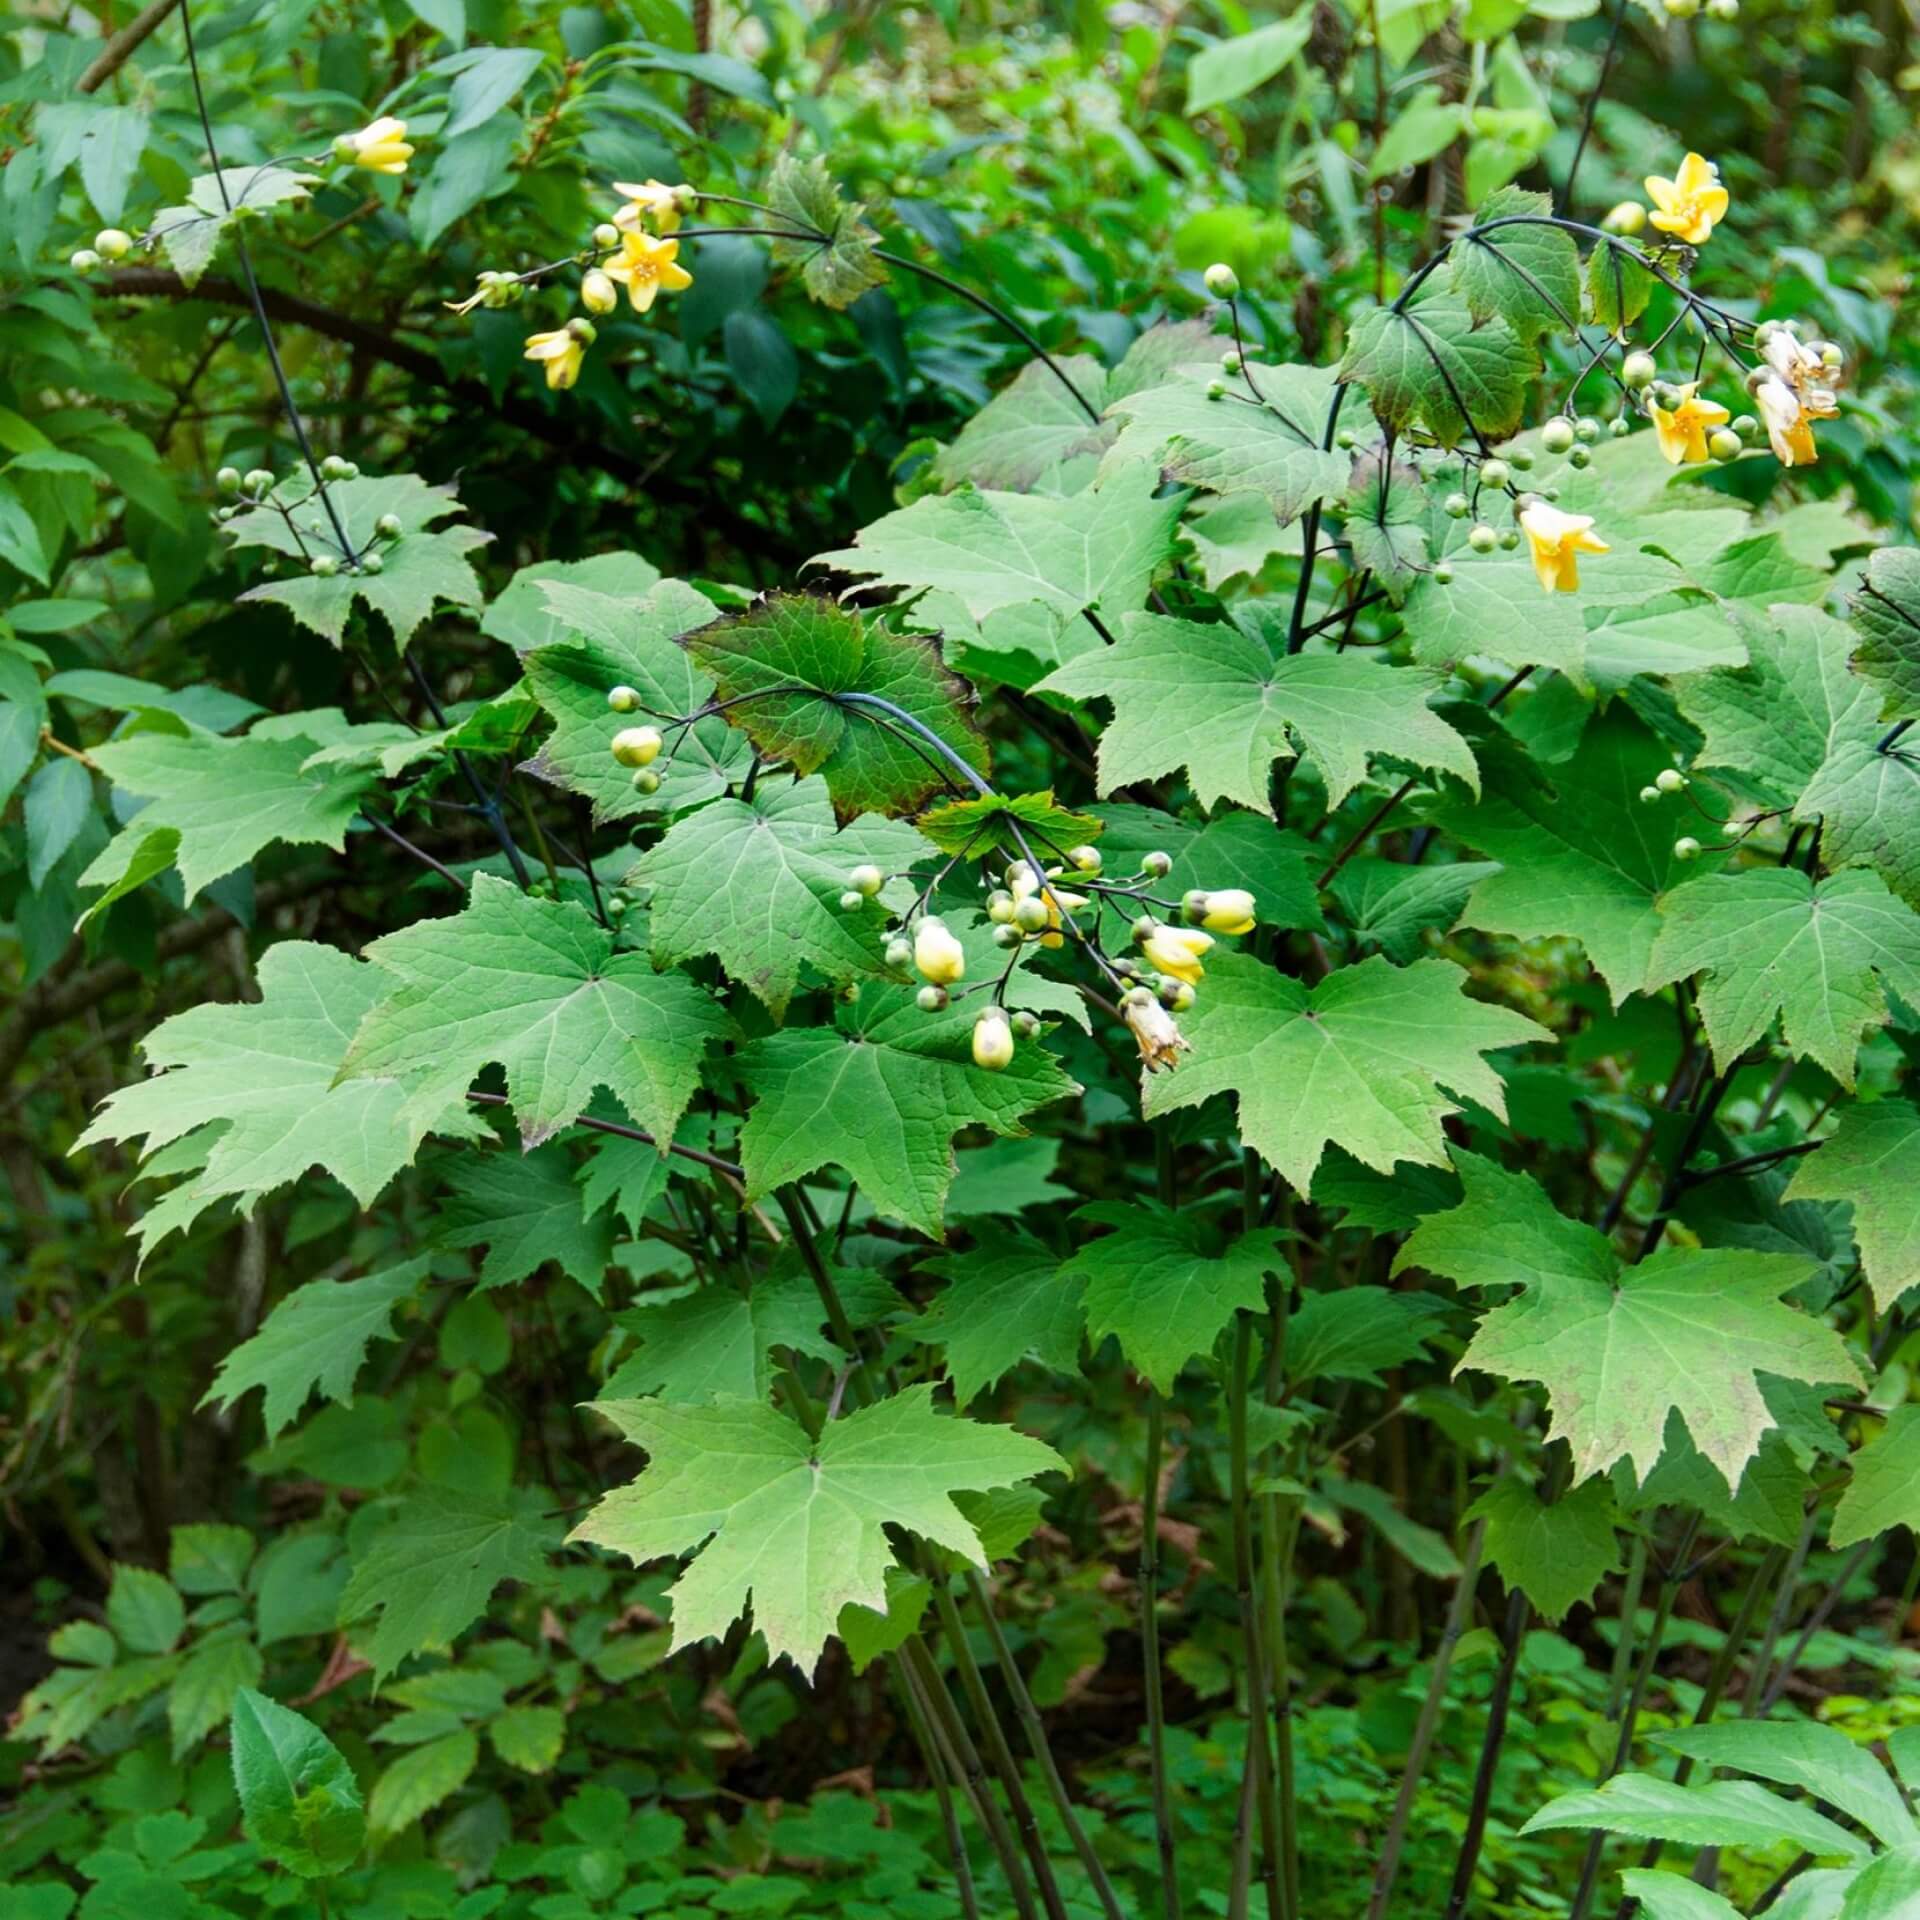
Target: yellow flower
point(1692, 203)
point(1178, 951)
point(1557, 541)
point(938, 955)
point(646, 267)
point(380, 147)
point(563, 350)
point(1153, 1028)
point(1682, 430)
point(649, 199)
point(1789, 424)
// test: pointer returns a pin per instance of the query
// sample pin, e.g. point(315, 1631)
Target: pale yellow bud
point(992, 1040)
point(636, 746)
point(937, 954)
point(1229, 910)
point(598, 294)
point(1178, 951)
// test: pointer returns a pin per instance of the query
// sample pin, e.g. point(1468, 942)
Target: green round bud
point(1509, 538)
point(225, 513)
point(1557, 435)
point(1579, 457)
point(1483, 539)
point(1520, 459)
point(1345, 440)
point(1229, 362)
point(114, 244)
point(324, 565)
point(1007, 936)
point(1457, 506)
point(372, 563)
point(1586, 430)
point(83, 260)
point(1724, 444)
point(1670, 780)
point(1639, 370)
point(1723, 9)
point(899, 953)
point(1084, 859)
point(1686, 848)
point(1031, 915)
point(1649, 794)
point(1620, 426)
point(259, 481)
point(1443, 575)
point(1747, 427)
point(623, 699)
point(1216, 389)
point(1831, 357)
point(228, 480)
point(852, 900)
point(1000, 907)
point(1026, 1025)
point(930, 999)
point(1493, 473)
point(866, 880)
point(637, 746)
point(1157, 865)
point(646, 780)
point(1193, 905)
point(388, 526)
point(606, 236)
point(335, 468)
point(1222, 282)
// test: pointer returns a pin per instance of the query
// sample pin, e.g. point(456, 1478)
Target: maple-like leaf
point(759, 883)
point(1885, 1488)
point(1351, 1333)
point(1007, 1299)
point(191, 233)
point(882, 1095)
point(628, 640)
point(1873, 1163)
point(1528, 276)
point(526, 1209)
point(1886, 622)
point(1619, 1348)
point(793, 1528)
point(1366, 1060)
point(1099, 548)
point(1000, 822)
point(261, 1076)
point(1162, 1286)
point(717, 1342)
point(1555, 1552)
point(841, 265)
point(794, 671)
point(520, 616)
point(1581, 854)
point(1433, 361)
point(425, 565)
point(316, 1337)
point(535, 987)
point(213, 803)
point(430, 1572)
point(1771, 942)
point(1215, 702)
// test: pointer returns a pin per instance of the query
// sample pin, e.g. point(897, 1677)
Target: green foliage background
point(1482, 1359)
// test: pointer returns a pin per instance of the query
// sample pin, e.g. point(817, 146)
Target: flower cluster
point(1793, 387)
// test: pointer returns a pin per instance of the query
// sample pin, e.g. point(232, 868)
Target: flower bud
point(623, 699)
point(1000, 907)
point(1457, 506)
point(1831, 357)
point(899, 953)
point(1008, 937)
point(1443, 575)
point(1579, 457)
point(1724, 444)
point(1670, 780)
point(646, 780)
point(598, 294)
point(606, 236)
point(1493, 473)
point(1177, 951)
point(1483, 538)
point(1157, 865)
point(937, 954)
point(637, 746)
point(1509, 539)
point(1723, 9)
point(1747, 427)
point(228, 480)
point(324, 565)
point(993, 1040)
point(1620, 426)
point(1626, 218)
point(1230, 361)
point(84, 260)
point(1032, 914)
point(1649, 794)
point(114, 244)
point(388, 526)
point(1686, 848)
point(1084, 859)
point(1222, 282)
point(1229, 910)
point(1216, 389)
point(1639, 370)
point(852, 900)
point(1586, 430)
point(334, 468)
point(866, 880)
point(1557, 435)
point(930, 999)
point(1520, 459)
point(259, 481)
point(371, 563)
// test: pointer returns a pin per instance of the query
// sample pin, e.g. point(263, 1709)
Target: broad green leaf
point(299, 1801)
point(1618, 286)
point(525, 1209)
point(419, 1781)
point(1581, 855)
point(209, 1557)
point(1886, 619)
point(1232, 849)
point(1556, 1553)
point(882, 1095)
point(1801, 1753)
point(1163, 1288)
point(191, 234)
point(1873, 1163)
point(1493, 609)
point(1618, 1348)
point(425, 566)
point(1769, 942)
point(535, 987)
point(1719, 1813)
point(841, 266)
point(1275, 446)
point(795, 670)
point(982, 826)
point(1215, 702)
point(793, 1528)
point(522, 617)
point(717, 1342)
point(1885, 1489)
point(1099, 548)
point(1007, 1299)
point(215, 803)
point(1674, 1896)
point(1435, 363)
point(1229, 69)
point(261, 1076)
point(1351, 1334)
point(429, 1573)
point(58, 803)
point(1769, 1502)
point(1371, 1059)
point(1393, 906)
point(530, 1739)
point(316, 1337)
point(1528, 276)
point(627, 640)
point(758, 883)
point(1385, 519)
point(209, 1681)
point(869, 1633)
point(145, 1610)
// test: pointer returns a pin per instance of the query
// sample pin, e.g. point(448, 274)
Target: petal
point(1663, 194)
point(674, 279)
